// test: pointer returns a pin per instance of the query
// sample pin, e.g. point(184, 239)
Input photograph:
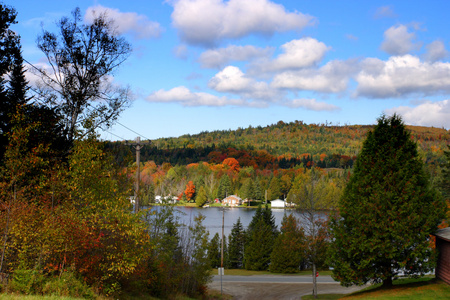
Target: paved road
point(275, 287)
point(274, 279)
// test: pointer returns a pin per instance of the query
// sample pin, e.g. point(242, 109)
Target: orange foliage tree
point(232, 163)
point(190, 190)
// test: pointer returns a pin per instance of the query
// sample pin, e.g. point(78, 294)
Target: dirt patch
point(277, 291)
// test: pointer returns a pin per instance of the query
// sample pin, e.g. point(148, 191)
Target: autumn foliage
point(190, 190)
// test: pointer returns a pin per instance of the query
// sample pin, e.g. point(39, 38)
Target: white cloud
point(436, 51)
point(217, 58)
point(402, 75)
point(312, 104)
point(429, 113)
point(206, 22)
point(232, 80)
point(186, 97)
point(384, 12)
point(331, 78)
point(181, 51)
point(297, 54)
point(398, 41)
point(138, 25)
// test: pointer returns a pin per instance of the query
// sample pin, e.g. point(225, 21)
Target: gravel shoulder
point(276, 290)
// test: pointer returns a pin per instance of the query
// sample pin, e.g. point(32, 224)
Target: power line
point(115, 135)
point(117, 122)
point(132, 131)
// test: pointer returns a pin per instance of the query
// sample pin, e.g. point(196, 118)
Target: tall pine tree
point(260, 239)
point(387, 211)
point(236, 245)
point(289, 250)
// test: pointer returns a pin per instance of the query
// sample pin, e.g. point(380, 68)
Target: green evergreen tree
point(226, 259)
point(236, 245)
point(258, 192)
point(259, 246)
point(149, 195)
point(387, 211)
point(201, 198)
point(274, 191)
point(247, 189)
point(289, 249)
point(9, 49)
point(224, 187)
point(445, 181)
point(214, 251)
point(260, 238)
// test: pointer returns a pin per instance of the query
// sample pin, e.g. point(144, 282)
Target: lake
point(213, 217)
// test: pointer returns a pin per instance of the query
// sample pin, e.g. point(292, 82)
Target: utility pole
point(221, 255)
point(138, 148)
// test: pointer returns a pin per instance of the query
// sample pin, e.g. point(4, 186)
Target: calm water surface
point(213, 217)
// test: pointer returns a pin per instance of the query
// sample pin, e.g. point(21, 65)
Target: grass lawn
point(5, 296)
point(422, 288)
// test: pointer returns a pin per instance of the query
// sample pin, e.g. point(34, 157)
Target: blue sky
point(204, 65)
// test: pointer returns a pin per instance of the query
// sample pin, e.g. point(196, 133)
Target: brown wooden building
point(443, 246)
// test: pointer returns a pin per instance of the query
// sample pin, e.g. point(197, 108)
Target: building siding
point(443, 264)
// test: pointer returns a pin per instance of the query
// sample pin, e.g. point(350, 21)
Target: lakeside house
point(443, 246)
point(277, 203)
point(231, 201)
point(167, 199)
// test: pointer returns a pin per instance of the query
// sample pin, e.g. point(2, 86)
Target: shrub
point(26, 281)
point(68, 285)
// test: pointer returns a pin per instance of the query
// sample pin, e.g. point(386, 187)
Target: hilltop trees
point(387, 211)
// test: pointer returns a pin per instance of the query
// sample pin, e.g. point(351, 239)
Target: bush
point(68, 285)
point(25, 281)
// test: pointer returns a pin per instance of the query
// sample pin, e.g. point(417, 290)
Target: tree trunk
point(387, 283)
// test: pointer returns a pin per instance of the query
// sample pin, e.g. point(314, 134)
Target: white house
point(277, 203)
point(166, 199)
point(232, 200)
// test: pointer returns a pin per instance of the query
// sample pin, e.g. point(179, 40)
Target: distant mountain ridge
point(283, 143)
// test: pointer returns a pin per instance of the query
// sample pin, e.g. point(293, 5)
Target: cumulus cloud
point(428, 113)
point(436, 51)
point(186, 97)
point(232, 80)
point(331, 78)
point(297, 54)
point(398, 41)
point(137, 25)
point(402, 75)
point(218, 58)
point(206, 22)
point(312, 104)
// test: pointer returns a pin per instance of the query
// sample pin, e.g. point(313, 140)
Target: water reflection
point(213, 217)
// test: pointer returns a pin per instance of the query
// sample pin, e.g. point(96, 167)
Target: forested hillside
point(281, 145)
point(261, 163)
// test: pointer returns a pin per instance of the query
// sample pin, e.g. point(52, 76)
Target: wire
point(117, 122)
point(133, 131)
point(115, 135)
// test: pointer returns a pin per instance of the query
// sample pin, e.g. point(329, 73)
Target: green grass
point(5, 296)
point(421, 288)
